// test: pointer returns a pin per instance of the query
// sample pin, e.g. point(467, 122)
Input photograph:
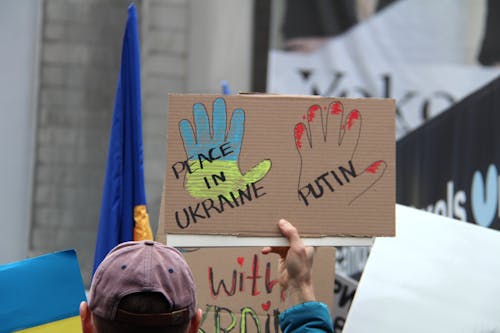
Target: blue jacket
point(309, 317)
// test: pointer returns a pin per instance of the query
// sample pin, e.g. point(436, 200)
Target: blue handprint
point(213, 155)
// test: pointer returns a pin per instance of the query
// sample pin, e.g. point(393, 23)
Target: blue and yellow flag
point(123, 209)
point(42, 294)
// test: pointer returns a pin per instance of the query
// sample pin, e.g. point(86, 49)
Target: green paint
point(222, 177)
point(217, 316)
point(253, 315)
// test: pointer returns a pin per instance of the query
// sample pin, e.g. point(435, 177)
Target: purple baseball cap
point(137, 267)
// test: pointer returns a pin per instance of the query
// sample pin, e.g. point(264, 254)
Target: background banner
point(450, 165)
point(425, 54)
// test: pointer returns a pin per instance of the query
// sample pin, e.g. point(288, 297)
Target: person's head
point(142, 287)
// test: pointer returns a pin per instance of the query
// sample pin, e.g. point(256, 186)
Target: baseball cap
point(138, 267)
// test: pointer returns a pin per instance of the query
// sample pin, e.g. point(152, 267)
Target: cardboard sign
point(41, 294)
point(238, 289)
point(436, 275)
point(237, 164)
point(343, 291)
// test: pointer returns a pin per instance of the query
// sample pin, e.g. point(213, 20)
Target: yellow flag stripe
point(142, 228)
point(68, 325)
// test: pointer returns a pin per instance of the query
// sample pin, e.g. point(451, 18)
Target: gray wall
point(80, 54)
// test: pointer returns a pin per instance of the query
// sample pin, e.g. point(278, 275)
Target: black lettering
point(242, 285)
point(202, 157)
point(207, 184)
point(245, 193)
point(222, 283)
point(216, 178)
point(304, 196)
point(268, 282)
point(205, 209)
point(177, 219)
point(226, 150)
point(317, 190)
point(207, 205)
point(194, 213)
point(255, 275)
point(346, 172)
point(337, 76)
point(305, 73)
point(211, 156)
point(222, 200)
point(267, 328)
point(320, 188)
point(386, 81)
point(426, 105)
point(336, 177)
point(256, 190)
point(322, 177)
point(192, 166)
point(177, 172)
point(234, 199)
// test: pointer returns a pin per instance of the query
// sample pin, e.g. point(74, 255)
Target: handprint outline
point(213, 153)
point(323, 135)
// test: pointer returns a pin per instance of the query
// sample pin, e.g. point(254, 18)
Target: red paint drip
point(374, 167)
point(312, 112)
point(304, 117)
point(354, 115)
point(299, 131)
point(336, 108)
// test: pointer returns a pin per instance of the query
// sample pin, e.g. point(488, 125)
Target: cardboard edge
point(185, 240)
point(288, 96)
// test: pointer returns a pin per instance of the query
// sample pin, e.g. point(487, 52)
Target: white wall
point(18, 49)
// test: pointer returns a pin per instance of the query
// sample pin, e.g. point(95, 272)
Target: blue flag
point(123, 209)
point(41, 294)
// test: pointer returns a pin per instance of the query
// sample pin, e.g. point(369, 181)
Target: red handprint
point(327, 141)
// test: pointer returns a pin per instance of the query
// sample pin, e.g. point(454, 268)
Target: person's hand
point(213, 153)
point(295, 268)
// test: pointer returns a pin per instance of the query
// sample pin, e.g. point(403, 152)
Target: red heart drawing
point(241, 260)
point(266, 306)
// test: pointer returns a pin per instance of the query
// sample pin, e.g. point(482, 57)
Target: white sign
point(436, 275)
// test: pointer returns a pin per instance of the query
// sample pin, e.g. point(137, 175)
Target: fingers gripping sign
point(328, 135)
point(295, 267)
point(212, 168)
